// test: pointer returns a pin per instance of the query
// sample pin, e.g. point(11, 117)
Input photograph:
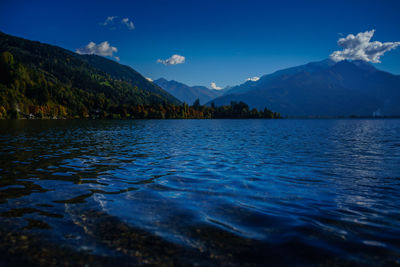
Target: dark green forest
point(43, 81)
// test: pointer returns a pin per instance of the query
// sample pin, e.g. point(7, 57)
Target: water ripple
point(218, 191)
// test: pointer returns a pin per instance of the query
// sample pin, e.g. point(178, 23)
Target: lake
point(200, 192)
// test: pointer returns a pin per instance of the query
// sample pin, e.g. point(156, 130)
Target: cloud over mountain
point(173, 60)
point(215, 87)
point(103, 49)
point(253, 79)
point(359, 47)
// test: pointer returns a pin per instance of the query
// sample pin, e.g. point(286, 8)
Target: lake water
point(206, 192)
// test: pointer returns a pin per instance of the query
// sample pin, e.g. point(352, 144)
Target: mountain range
point(324, 88)
point(188, 94)
point(44, 79)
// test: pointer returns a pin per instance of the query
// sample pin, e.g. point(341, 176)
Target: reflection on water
point(200, 192)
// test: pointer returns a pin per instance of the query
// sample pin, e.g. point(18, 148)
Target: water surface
point(207, 192)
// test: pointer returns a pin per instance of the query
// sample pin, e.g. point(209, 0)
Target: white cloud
point(253, 79)
point(103, 49)
point(109, 20)
point(215, 87)
point(149, 79)
point(128, 23)
point(125, 21)
point(359, 47)
point(173, 60)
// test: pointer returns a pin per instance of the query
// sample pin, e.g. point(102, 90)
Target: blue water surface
point(240, 192)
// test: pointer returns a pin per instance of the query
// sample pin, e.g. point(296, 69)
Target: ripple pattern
point(240, 192)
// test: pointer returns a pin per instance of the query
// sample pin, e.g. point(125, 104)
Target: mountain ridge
point(188, 94)
point(324, 88)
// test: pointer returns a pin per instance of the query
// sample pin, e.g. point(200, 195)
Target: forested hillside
point(40, 80)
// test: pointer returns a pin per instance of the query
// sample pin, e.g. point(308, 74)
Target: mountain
point(126, 73)
point(324, 88)
point(225, 90)
point(186, 93)
point(310, 67)
point(36, 76)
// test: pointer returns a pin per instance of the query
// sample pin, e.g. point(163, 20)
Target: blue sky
point(223, 41)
